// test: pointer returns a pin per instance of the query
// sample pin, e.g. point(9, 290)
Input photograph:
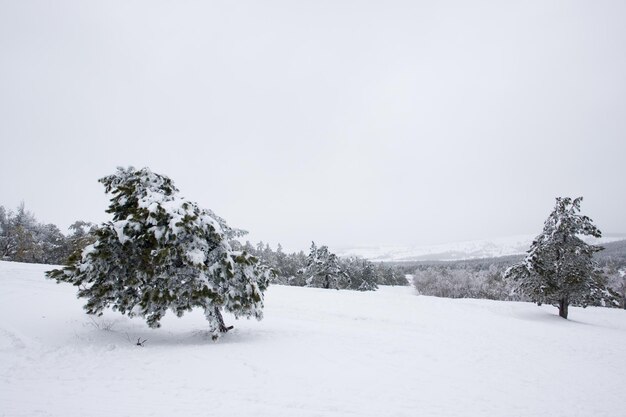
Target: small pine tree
point(160, 252)
point(52, 243)
point(24, 227)
point(6, 240)
point(323, 270)
point(368, 278)
point(387, 275)
point(559, 268)
point(362, 273)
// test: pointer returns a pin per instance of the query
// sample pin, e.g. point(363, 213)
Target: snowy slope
point(474, 249)
point(317, 353)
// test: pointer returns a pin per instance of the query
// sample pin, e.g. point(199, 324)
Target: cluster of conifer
point(323, 269)
point(24, 239)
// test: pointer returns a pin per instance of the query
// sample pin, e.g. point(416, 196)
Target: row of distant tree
point(602, 276)
point(162, 252)
point(24, 239)
point(323, 269)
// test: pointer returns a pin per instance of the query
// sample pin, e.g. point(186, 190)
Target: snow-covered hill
point(317, 353)
point(474, 249)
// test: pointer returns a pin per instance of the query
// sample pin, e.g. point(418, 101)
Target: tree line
point(323, 269)
point(161, 251)
point(24, 239)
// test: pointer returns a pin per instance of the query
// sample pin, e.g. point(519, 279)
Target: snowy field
point(316, 353)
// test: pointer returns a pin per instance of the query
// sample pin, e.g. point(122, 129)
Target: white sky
point(343, 122)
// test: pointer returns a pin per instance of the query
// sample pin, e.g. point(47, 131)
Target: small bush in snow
point(447, 281)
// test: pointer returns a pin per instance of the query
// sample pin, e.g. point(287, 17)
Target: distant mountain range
point(475, 249)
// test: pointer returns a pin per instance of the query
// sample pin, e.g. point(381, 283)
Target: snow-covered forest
point(24, 239)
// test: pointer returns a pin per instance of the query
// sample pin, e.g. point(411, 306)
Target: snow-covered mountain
point(474, 249)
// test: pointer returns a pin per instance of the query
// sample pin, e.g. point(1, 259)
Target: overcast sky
point(344, 122)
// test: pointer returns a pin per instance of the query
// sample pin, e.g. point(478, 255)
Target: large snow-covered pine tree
point(559, 268)
point(161, 251)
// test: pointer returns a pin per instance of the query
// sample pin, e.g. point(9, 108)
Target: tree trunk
point(220, 320)
point(563, 306)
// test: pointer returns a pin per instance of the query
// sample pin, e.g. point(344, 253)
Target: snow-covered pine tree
point(24, 239)
point(6, 240)
point(362, 273)
point(160, 252)
point(387, 275)
point(392, 277)
point(559, 268)
point(52, 244)
point(24, 227)
point(368, 278)
point(323, 269)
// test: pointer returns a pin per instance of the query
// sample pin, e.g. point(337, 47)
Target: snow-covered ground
point(316, 353)
point(473, 249)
